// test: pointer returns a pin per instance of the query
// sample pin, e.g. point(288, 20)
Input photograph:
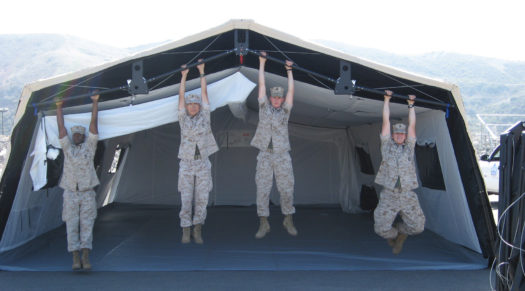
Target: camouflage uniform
point(271, 138)
point(78, 179)
point(197, 144)
point(397, 175)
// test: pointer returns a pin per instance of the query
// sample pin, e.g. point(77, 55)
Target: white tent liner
point(326, 171)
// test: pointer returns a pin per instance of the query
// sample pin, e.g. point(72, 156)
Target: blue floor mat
point(147, 238)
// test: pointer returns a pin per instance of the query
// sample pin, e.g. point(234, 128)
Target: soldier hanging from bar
point(397, 175)
point(271, 138)
point(197, 144)
point(78, 180)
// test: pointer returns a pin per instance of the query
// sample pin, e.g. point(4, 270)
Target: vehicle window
point(495, 154)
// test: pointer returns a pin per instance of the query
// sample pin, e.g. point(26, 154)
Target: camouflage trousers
point(280, 164)
point(390, 204)
point(194, 177)
point(79, 212)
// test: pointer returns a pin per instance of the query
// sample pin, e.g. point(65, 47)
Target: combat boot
point(86, 265)
point(288, 225)
point(197, 235)
point(264, 227)
point(398, 244)
point(76, 260)
point(186, 235)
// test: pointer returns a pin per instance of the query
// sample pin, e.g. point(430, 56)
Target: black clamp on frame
point(137, 84)
point(344, 84)
point(241, 42)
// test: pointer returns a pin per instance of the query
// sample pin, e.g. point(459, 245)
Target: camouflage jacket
point(398, 161)
point(196, 132)
point(79, 171)
point(273, 125)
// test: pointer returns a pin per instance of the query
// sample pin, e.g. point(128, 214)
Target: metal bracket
point(137, 84)
point(344, 84)
point(241, 43)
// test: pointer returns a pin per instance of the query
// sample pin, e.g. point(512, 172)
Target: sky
point(483, 28)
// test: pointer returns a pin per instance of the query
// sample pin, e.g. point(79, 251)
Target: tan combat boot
point(76, 260)
point(264, 227)
point(288, 225)
point(86, 265)
point(186, 235)
point(197, 235)
point(398, 244)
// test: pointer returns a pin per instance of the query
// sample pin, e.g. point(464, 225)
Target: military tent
point(334, 132)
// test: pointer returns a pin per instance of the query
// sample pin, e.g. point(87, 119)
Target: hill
point(30, 57)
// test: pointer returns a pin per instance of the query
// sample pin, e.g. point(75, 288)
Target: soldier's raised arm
point(411, 116)
point(204, 90)
point(262, 83)
point(60, 119)
point(93, 125)
point(385, 129)
point(182, 87)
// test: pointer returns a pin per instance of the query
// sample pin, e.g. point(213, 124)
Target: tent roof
point(169, 56)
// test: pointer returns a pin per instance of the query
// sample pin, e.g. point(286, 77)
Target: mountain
point(487, 85)
point(30, 57)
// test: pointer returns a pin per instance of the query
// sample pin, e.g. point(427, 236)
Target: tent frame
point(344, 85)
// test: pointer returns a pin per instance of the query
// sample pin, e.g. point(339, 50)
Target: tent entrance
point(325, 133)
point(147, 238)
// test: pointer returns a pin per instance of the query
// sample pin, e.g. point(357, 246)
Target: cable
point(396, 87)
point(292, 52)
point(197, 55)
point(521, 253)
point(192, 52)
point(492, 268)
point(160, 83)
point(499, 222)
point(410, 86)
point(288, 58)
point(319, 81)
point(73, 86)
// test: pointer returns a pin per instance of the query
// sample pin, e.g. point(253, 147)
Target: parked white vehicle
point(489, 165)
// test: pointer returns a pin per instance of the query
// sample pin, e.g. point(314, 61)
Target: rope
point(292, 52)
point(74, 86)
point(205, 48)
point(319, 81)
point(396, 87)
point(197, 55)
point(410, 86)
point(193, 52)
point(161, 82)
point(288, 58)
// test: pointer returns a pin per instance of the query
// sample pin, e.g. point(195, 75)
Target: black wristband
point(202, 75)
point(288, 69)
point(410, 105)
